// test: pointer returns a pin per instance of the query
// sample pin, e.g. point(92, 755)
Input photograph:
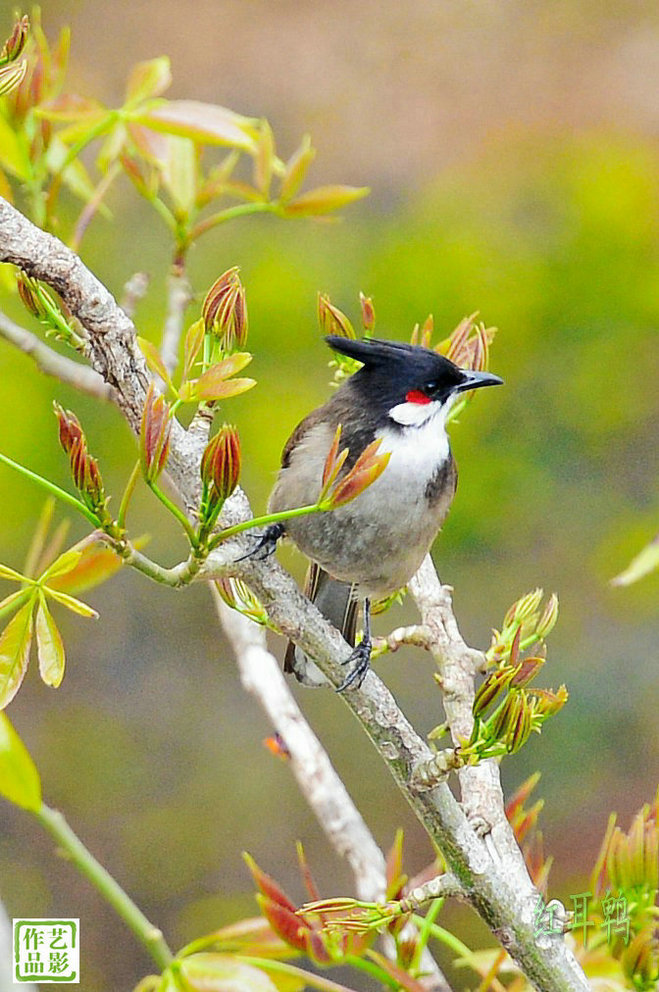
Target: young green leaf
point(324, 199)
point(8, 573)
point(50, 648)
point(148, 80)
point(193, 342)
point(19, 778)
point(65, 563)
point(15, 642)
point(154, 361)
point(97, 564)
point(180, 173)
point(296, 169)
point(202, 122)
point(73, 604)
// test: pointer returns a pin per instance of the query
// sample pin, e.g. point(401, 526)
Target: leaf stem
point(128, 493)
point(268, 518)
point(239, 210)
point(52, 488)
point(176, 511)
point(148, 934)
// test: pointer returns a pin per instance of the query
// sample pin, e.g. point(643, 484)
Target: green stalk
point(447, 938)
point(268, 518)
point(148, 934)
point(128, 493)
point(372, 969)
point(424, 931)
point(240, 210)
point(53, 489)
point(269, 964)
point(176, 511)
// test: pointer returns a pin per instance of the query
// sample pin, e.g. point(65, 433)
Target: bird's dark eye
point(431, 387)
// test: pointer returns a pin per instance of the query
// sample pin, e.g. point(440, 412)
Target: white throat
point(423, 443)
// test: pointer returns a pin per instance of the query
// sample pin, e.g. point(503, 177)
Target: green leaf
point(642, 564)
point(208, 972)
point(15, 642)
point(65, 563)
point(296, 169)
point(69, 108)
point(50, 648)
point(148, 80)
point(97, 564)
point(13, 154)
point(206, 123)
point(264, 160)
point(75, 176)
point(19, 778)
point(71, 603)
point(324, 199)
point(18, 597)
point(180, 172)
point(193, 342)
point(154, 361)
point(215, 390)
point(8, 573)
point(212, 385)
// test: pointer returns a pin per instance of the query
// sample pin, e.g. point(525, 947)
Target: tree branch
point(179, 295)
point(51, 363)
point(492, 874)
point(319, 783)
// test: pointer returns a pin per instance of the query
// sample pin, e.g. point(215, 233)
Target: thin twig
point(134, 291)
point(179, 295)
point(51, 363)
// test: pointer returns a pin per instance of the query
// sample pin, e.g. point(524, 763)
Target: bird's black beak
point(474, 380)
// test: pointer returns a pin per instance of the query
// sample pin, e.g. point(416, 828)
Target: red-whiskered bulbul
point(373, 545)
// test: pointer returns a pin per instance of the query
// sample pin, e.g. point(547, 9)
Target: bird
point(369, 548)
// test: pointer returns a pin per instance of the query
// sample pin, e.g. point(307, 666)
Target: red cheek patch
point(416, 396)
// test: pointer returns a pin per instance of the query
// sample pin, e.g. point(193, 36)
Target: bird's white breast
point(421, 446)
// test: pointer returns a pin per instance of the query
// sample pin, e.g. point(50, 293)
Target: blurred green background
point(511, 149)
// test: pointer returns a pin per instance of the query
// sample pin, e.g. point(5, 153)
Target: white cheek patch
point(414, 414)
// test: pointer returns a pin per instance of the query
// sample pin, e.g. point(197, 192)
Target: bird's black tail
point(337, 602)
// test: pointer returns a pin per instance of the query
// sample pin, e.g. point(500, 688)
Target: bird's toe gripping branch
point(360, 658)
point(266, 544)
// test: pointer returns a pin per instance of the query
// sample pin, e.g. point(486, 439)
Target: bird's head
point(407, 383)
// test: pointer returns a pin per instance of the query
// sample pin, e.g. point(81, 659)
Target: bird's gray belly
point(379, 539)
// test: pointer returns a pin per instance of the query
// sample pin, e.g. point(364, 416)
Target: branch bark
point(492, 874)
point(49, 362)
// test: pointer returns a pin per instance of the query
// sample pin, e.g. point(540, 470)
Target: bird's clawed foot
point(266, 545)
point(360, 659)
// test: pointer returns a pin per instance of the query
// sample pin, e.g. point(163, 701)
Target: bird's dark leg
point(361, 655)
point(266, 545)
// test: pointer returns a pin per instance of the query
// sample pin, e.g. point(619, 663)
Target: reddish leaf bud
point(368, 467)
point(69, 427)
point(332, 320)
point(368, 312)
point(155, 434)
point(224, 311)
point(220, 467)
point(15, 43)
point(549, 616)
point(11, 76)
point(28, 297)
point(84, 469)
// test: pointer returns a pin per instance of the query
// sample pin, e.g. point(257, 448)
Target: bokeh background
point(512, 152)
